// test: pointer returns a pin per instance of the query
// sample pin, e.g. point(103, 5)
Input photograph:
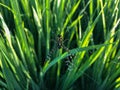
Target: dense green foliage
point(59, 44)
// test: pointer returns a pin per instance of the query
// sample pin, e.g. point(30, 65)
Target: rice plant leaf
point(66, 54)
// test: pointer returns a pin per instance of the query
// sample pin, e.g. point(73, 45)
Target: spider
point(59, 41)
point(60, 45)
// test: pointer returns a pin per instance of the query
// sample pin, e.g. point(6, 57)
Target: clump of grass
point(39, 35)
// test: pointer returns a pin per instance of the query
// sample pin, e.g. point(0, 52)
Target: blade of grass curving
point(66, 54)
